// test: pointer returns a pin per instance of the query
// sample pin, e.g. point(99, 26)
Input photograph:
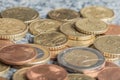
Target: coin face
point(108, 44)
point(22, 13)
point(45, 25)
point(46, 72)
point(51, 39)
point(80, 59)
point(20, 74)
point(97, 12)
point(79, 77)
point(69, 29)
point(109, 74)
point(17, 54)
point(113, 30)
point(3, 68)
point(91, 26)
point(63, 14)
point(4, 43)
point(12, 29)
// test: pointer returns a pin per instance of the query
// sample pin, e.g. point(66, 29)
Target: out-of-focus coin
point(1, 78)
point(109, 74)
point(17, 54)
point(51, 40)
point(3, 69)
point(69, 30)
point(113, 30)
point(46, 72)
point(91, 26)
point(4, 43)
point(81, 59)
point(45, 25)
point(20, 74)
point(12, 29)
point(109, 45)
point(25, 14)
point(63, 14)
point(98, 12)
point(79, 77)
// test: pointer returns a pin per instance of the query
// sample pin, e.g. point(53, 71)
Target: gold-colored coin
point(98, 12)
point(43, 55)
point(109, 45)
point(44, 25)
point(12, 29)
point(3, 69)
point(111, 59)
point(51, 40)
point(63, 14)
point(84, 43)
point(91, 26)
point(20, 74)
point(79, 77)
point(69, 30)
point(27, 15)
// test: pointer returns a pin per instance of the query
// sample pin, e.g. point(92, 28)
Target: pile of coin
point(61, 47)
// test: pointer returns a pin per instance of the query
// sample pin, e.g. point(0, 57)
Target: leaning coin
point(27, 15)
point(17, 54)
point(69, 30)
point(91, 26)
point(51, 40)
point(63, 14)
point(20, 74)
point(47, 72)
point(98, 12)
point(81, 59)
point(12, 29)
point(109, 45)
point(4, 69)
point(79, 77)
point(44, 25)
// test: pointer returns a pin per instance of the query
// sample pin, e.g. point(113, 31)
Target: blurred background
point(44, 6)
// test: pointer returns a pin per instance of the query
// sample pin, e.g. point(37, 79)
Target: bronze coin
point(17, 54)
point(113, 30)
point(63, 14)
point(109, 74)
point(110, 64)
point(46, 72)
point(4, 43)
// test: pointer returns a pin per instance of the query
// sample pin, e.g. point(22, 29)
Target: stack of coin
point(98, 12)
point(27, 15)
point(12, 29)
point(82, 60)
point(113, 30)
point(44, 25)
point(91, 26)
point(46, 72)
point(76, 38)
point(109, 45)
point(54, 41)
point(63, 14)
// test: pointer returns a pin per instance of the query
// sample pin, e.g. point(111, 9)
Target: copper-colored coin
point(51, 40)
point(110, 64)
point(47, 72)
point(17, 54)
point(25, 14)
point(113, 30)
point(63, 14)
point(1, 78)
point(44, 25)
point(4, 43)
point(109, 74)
